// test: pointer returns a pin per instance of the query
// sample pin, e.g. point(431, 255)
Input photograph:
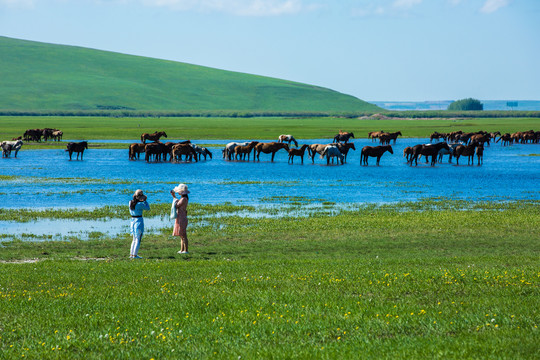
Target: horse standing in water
point(244, 150)
point(78, 148)
point(343, 136)
point(135, 150)
point(332, 151)
point(387, 137)
point(152, 137)
point(297, 152)
point(466, 150)
point(428, 150)
point(288, 139)
point(14, 146)
point(374, 151)
point(270, 148)
point(316, 149)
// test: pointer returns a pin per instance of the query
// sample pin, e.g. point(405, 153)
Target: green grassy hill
point(40, 76)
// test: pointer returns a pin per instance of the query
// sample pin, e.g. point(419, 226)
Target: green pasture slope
point(451, 280)
point(261, 128)
point(40, 76)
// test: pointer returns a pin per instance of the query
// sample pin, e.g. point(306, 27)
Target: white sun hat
point(181, 189)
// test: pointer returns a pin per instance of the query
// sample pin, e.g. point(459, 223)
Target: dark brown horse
point(152, 137)
point(244, 150)
point(506, 139)
point(135, 150)
point(183, 149)
point(343, 136)
point(387, 137)
point(344, 148)
point(297, 152)
point(437, 135)
point(270, 148)
point(374, 151)
point(77, 147)
point(480, 154)
point(155, 150)
point(466, 150)
point(428, 150)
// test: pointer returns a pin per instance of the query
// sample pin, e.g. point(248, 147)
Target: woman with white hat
point(181, 221)
point(136, 207)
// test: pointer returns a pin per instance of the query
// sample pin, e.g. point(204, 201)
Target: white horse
point(15, 146)
point(288, 138)
point(228, 152)
point(201, 151)
point(332, 151)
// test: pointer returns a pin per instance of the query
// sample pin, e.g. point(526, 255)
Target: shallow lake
point(46, 178)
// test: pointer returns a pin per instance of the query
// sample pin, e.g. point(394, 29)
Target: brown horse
point(385, 138)
point(374, 135)
point(480, 154)
point(344, 149)
point(271, 147)
point(480, 138)
point(407, 152)
point(428, 150)
point(437, 135)
point(183, 149)
point(316, 149)
point(244, 150)
point(152, 137)
point(466, 150)
point(376, 151)
point(135, 150)
point(506, 139)
point(77, 147)
point(343, 136)
point(155, 149)
point(297, 152)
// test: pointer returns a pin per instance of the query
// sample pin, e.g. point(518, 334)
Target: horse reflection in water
point(374, 151)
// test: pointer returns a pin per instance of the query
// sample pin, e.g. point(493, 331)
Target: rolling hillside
point(40, 76)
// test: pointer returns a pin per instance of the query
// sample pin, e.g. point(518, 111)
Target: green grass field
point(419, 280)
point(250, 128)
point(40, 76)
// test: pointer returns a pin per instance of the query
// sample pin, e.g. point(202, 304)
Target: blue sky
point(392, 50)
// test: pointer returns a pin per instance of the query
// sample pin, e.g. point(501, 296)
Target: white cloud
point(493, 5)
point(405, 4)
point(235, 7)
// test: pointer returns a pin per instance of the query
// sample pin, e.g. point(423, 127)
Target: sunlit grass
point(457, 279)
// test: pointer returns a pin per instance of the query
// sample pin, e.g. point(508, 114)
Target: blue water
point(508, 173)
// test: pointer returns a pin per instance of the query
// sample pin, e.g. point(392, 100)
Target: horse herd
point(462, 144)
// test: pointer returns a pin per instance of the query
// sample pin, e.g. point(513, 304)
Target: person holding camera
point(136, 207)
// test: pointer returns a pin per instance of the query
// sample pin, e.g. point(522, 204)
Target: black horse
point(428, 150)
point(77, 147)
point(343, 137)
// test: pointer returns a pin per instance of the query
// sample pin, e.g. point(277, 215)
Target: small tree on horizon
point(466, 105)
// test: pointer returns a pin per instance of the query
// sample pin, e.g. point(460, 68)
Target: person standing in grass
point(136, 207)
point(179, 207)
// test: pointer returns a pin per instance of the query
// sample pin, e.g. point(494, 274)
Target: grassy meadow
point(433, 279)
point(40, 76)
point(96, 128)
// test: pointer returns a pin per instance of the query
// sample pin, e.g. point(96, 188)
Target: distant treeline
point(415, 114)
